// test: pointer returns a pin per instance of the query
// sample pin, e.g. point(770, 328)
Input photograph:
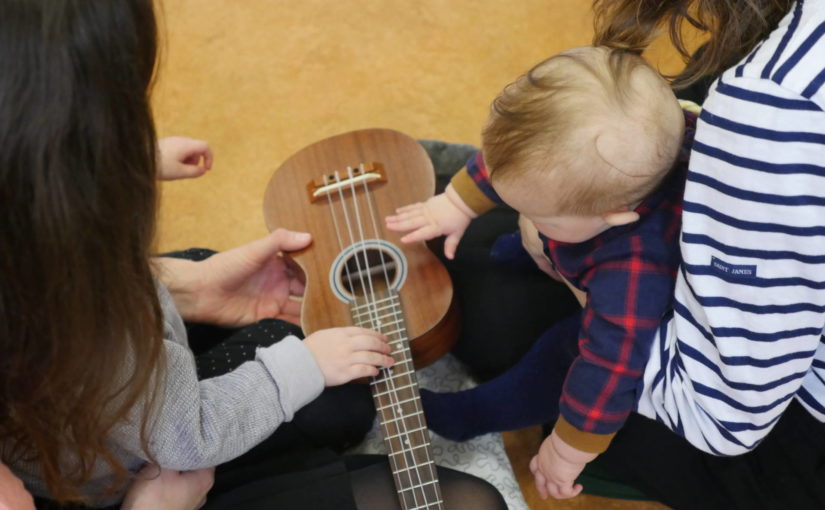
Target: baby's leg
point(527, 394)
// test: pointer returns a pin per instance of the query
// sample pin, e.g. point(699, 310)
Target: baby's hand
point(181, 158)
point(532, 244)
point(556, 467)
point(348, 353)
point(443, 214)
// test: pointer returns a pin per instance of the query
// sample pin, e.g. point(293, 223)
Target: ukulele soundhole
point(367, 269)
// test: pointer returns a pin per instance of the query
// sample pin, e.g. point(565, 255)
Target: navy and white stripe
point(745, 336)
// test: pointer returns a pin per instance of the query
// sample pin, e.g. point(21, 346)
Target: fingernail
point(302, 236)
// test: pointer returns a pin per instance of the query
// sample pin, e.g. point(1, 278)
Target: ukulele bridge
point(370, 173)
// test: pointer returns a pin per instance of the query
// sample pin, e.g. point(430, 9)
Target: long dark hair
point(80, 322)
point(733, 27)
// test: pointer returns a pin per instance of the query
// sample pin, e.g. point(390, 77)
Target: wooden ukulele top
point(352, 215)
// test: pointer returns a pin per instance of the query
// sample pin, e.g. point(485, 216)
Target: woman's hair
point(733, 27)
point(80, 322)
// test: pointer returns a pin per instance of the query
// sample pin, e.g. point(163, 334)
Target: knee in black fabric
point(374, 489)
point(339, 418)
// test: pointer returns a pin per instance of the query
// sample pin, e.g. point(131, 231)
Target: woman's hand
point(164, 489)
point(239, 286)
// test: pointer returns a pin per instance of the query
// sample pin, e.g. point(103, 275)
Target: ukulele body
point(346, 218)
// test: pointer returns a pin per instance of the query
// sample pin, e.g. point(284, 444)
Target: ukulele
point(359, 273)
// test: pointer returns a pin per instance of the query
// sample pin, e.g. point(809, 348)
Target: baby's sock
point(527, 394)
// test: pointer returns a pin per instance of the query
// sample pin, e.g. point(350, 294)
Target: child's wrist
point(455, 199)
point(568, 452)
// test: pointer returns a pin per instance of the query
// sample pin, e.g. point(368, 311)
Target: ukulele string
point(390, 381)
point(416, 401)
point(337, 230)
point(369, 304)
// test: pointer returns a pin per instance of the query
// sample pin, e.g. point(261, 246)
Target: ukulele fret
point(396, 375)
point(358, 316)
point(427, 505)
point(373, 303)
point(419, 429)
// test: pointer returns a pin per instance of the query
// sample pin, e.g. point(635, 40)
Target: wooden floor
point(260, 79)
point(522, 445)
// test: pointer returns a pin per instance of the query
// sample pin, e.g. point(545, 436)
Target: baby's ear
point(618, 218)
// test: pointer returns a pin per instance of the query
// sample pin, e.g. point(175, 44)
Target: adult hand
point(240, 286)
point(13, 496)
point(164, 489)
point(183, 158)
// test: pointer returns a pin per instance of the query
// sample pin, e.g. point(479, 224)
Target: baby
point(585, 146)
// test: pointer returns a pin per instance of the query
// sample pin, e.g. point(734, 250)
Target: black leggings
point(358, 482)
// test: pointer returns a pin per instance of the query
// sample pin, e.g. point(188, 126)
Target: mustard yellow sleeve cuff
point(473, 197)
point(584, 441)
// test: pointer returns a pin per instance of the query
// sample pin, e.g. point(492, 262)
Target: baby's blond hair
point(557, 118)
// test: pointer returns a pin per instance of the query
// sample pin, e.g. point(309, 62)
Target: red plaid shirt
point(628, 273)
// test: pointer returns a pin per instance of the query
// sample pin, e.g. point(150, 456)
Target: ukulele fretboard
point(398, 404)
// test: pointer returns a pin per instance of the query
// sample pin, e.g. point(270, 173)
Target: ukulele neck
point(398, 404)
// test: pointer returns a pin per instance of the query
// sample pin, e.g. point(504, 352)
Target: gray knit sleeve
point(205, 423)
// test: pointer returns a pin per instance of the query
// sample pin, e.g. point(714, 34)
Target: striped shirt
point(745, 335)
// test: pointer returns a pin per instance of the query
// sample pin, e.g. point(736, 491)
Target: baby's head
point(577, 142)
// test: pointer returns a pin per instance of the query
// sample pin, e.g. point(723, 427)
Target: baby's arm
point(556, 467)
point(183, 158)
point(445, 214)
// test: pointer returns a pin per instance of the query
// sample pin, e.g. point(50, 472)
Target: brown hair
point(547, 117)
point(733, 27)
point(80, 322)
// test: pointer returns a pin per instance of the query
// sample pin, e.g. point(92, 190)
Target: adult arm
point(239, 286)
point(198, 424)
point(745, 335)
